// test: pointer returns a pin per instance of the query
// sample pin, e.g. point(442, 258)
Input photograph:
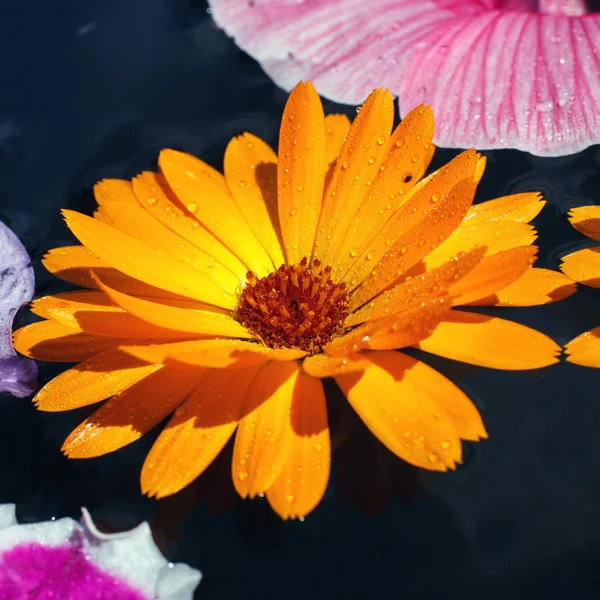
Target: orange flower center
point(296, 306)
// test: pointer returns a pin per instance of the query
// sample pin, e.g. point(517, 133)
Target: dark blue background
point(94, 89)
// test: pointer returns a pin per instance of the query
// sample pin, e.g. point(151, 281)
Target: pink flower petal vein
point(498, 73)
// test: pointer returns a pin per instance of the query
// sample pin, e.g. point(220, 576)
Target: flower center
point(296, 306)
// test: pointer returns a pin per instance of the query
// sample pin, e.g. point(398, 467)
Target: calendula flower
point(67, 560)
point(225, 299)
point(17, 375)
point(584, 266)
point(498, 73)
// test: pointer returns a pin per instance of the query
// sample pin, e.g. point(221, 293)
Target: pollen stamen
point(296, 306)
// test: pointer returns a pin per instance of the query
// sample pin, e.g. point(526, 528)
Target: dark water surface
point(92, 89)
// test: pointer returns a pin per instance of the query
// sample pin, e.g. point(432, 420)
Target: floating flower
point(225, 299)
point(498, 73)
point(584, 266)
point(74, 561)
point(17, 375)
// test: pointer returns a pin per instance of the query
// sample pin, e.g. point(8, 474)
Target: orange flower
point(584, 266)
point(226, 299)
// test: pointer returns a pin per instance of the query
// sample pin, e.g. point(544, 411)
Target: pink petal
point(498, 74)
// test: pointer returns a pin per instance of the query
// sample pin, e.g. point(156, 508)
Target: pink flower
point(498, 73)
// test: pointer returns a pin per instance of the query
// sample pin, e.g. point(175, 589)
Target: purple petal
point(497, 73)
point(17, 375)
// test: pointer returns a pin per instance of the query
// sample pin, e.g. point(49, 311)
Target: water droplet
point(242, 475)
point(400, 142)
point(250, 145)
point(370, 255)
point(192, 207)
point(545, 106)
point(180, 411)
point(354, 252)
point(381, 140)
point(371, 160)
point(415, 158)
point(290, 498)
point(293, 211)
point(151, 201)
point(345, 164)
point(299, 188)
point(445, 445)
point(404, 250)
point(318, 447)
point(433, 457)
point(435, 198)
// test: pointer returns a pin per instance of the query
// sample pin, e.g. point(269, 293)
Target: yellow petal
point(250, 168)
point(587, 220)
point(432, 227)
point(336, 132)
point(133, 412)
point(401, 166)
point(95, 379)
point(492, 274)
point(76, 263)
point(54, 341)
point(264, 435)
point(199, 186)
point(214, 353)
point(403, 402)
point(583, 266)
point(155, 196)
point(113, 190)
point(133, 220)
point(151, 265)
point(193, 318)
point(359, 161)
point(196, 433)
point(427, 285)
point(490, 342)
point(493, 236)
point(584, 350)
point(303, 479)
point(519, 208)
point(534, 287)
point(93, 312)
point(301, 171)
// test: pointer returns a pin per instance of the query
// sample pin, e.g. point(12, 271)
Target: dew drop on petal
point(193, 207)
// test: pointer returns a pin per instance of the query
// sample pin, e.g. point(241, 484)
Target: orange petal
point(191, 319)
point(155, 196)
point(54, 341)
point(583, 266)
point(75, 264)
point(95, 379)
point(151, 265)
point(250, 168)
point(534, 287)
point(432, 228)
point(584, 350)
point(336, 132)
point(492, 274)
point(490, 342)
point(304, 477)
point(93, 312)
point(359, 161)
point(587, 220)
point(325, 365)
point(493, 236)
point(427, 285)
point(200, 187)
point(402, 165)
point(402, 401)
point(264, 435)
point(405, 328)
point(214, 353)
point(114, 190)
point(196, 433)
point(133, 412)
point(301, 171)
point(138, 223)
point(520, 208)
